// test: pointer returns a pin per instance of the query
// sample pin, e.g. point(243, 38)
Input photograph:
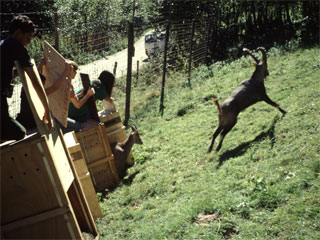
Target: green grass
point(264, 182)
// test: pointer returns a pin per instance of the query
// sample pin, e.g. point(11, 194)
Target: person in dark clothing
point(12, 49)
point(103, 87)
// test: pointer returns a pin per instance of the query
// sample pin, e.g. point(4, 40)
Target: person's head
point(22, 29)
point(107, 79)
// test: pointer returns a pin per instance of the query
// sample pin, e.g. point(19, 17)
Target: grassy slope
point(264, 182)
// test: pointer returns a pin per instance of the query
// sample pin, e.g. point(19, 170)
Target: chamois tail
point(215, 101)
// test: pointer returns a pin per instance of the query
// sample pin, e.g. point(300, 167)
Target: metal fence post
point(115, 69)
point(137, 76)
point(164, 69)
point(190, 52)
point(129, 72)
point(56, 29)
point(208, 42)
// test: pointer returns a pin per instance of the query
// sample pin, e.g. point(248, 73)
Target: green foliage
point(108, 19)
point(264, 182)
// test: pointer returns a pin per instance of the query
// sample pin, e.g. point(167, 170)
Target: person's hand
point(90, 92)
point(68, 66)
point(110, 99)
point(47, 120)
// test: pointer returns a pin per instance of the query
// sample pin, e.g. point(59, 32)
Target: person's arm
point(81, 94)
point(43, 98)
point(57, 84)
point(78, 103)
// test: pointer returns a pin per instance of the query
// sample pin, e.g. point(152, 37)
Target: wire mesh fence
point(90, 49)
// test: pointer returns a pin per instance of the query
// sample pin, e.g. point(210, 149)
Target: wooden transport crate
point(111, 121)
point(39, 195)
point(98, 156)
point(83, 175)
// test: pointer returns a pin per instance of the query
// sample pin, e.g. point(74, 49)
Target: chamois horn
point(264, 53)
point(251, 54)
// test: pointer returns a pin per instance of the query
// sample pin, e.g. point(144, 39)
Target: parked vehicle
point(154, 43)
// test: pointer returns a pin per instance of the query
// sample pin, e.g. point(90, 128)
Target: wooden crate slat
point(35, 219)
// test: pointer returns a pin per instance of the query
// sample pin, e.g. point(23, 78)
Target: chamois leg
point(223, 134)
point(215, 134)
point(272, 103)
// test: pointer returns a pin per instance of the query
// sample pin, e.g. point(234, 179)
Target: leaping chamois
point(246, 94)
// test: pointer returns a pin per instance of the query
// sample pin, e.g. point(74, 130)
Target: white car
point(154, 43)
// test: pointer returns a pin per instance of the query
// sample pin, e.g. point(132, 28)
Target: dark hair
point(107, 80)
point(23, 23)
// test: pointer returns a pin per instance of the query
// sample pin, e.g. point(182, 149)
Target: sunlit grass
point(264, 182)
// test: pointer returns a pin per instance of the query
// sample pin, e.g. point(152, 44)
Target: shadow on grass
point(125, 181)
point(241, 149)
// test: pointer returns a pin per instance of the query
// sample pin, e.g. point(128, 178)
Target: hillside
point(263, 184)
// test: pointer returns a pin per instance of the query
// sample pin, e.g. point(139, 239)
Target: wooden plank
point(117, 135)
point(99, 162)
point(32, 96)
point(54, 146)
point(59, 227)
point(53, 69)
point(80, 207)
point(35, 219)
point(85, 178)
point(79, 201)
point(107, 118)
point(91, 102)
point(91, 196)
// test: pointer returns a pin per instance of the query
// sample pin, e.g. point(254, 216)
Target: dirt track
point(107, 63)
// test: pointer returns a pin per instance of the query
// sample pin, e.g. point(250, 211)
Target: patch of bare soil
point(204, 218)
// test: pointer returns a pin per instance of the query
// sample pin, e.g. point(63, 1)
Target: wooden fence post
point(190, 52)
point(129, 72)
point(56, 29)
point(164, 69)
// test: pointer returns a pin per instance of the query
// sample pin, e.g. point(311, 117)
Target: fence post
point(208, 41)
point(137, 77)
point(56, 29)
point(129, 72)
point(115, 69)
point(190, 52)
point(164, 69)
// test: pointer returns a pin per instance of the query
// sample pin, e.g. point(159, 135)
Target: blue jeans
point(72, 125)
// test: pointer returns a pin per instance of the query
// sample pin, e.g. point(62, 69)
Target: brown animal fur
point(121, 151)
point(246, 94)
